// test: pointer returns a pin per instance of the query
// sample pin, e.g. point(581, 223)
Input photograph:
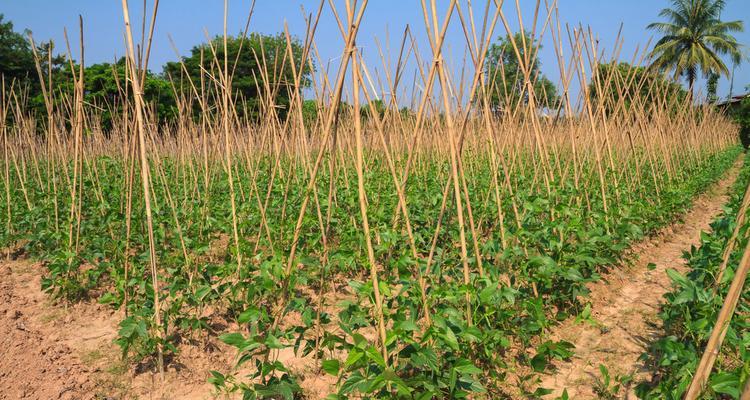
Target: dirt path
point(625, 306)
point(50, 351)
point(34, 363)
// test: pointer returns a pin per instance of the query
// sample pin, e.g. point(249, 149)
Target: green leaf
point(466, 367)
point(408, 325)
point(273, 342)
point(108, 298)
point(384, 289)
point(539, 363)
point(249, 315)
point(355, 355)
point(202, 292)
point(450, 338)
point(677, 277)
point(726, 383)
point(375, 356)
point(217, 379)
point(542, 261)
point(331, 367)
point(573, 274)
point(233, 339)
point(352, 383)
point(540, 391)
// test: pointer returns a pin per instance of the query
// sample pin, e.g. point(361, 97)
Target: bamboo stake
point(141, 128)
point(719, 331)
point(363, 209)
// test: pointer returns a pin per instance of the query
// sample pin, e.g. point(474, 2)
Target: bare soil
point(52, 350)
point(57, 351)
point(625, 306)
point(34, 364)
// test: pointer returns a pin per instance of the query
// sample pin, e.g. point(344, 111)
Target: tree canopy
point(259, 56)
point(694, 39)
point(263, 58)
point(104, 83)
point(615, 84)
point(741, 115)
point(16, 56)
point(505, 78)
point(106, 88)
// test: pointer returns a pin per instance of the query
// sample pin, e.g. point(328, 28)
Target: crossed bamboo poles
point(517, 135)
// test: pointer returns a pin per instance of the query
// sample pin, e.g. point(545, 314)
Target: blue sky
point(187, 20)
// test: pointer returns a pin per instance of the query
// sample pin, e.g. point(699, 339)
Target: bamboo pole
point(145, 180)
point(719, 331)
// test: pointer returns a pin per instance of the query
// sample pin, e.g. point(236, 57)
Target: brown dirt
point(625, 307)
point(34, 365)
point(54, 351)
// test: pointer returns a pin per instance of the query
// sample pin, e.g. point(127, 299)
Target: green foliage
point(262, 60)
point(551, 350)
point(18, 67)
point(506, 84)
point(694, 39)
point(376, 104)
point(741, 115)
point(615, 84)
point(609, 388)
point(536, 268)
point(105, 86)
point(453, 357)
point(712, 85)
point(691, 310)
point(310, 111)
point(16, 56)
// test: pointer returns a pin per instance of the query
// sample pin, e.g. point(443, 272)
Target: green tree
point(105, 85)
point(626, 84)
point(17, 63)
point(105, 88)
point(694, 39)
point(505, 78)
point(377, 104)
point(310, 110)
point(712, 86)
point(741, 114)
point(258, 53)
point(16, 55)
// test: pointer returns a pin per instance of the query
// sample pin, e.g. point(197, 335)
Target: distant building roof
point(733, 99)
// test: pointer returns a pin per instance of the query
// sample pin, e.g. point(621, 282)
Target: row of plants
point(691, 310)
point(446, 337)
point(254, 207)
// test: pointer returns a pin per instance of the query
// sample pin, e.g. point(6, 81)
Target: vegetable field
point(412, 247)
point(694, 305)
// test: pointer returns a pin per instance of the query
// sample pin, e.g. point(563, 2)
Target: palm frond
point(695, 39)
point(665, 27)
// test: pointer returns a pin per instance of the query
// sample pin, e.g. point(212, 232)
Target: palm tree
point(694, 40)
